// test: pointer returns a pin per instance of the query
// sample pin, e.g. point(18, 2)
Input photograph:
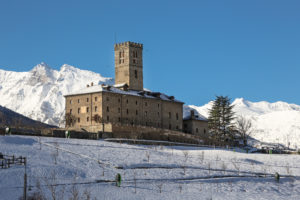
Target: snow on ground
point(179, 172)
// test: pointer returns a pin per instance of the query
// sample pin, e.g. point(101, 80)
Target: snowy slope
point(272, 122)
point(38, 94)
point(148, 172)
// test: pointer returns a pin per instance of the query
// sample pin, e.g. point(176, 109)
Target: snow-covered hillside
point(38, 94)
point(272, 122)
point(68, 166)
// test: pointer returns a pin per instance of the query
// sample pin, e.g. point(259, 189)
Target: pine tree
point(220, 119)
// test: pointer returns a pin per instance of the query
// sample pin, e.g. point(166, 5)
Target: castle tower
point(129, 65)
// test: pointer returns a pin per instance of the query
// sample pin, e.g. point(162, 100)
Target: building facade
point(195, 124)
point(126, 102)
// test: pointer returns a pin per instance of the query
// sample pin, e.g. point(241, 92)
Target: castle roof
point(198, 117)
point(115, 89)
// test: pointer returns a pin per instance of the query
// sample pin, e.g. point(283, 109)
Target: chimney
point(192, 114)
point(92, 84)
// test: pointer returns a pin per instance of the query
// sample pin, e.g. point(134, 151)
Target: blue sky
point(193, 50)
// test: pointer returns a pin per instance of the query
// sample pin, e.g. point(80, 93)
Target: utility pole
point(25, 181)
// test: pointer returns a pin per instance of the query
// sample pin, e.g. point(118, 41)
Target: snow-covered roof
point(113, 89)
point(196, 117)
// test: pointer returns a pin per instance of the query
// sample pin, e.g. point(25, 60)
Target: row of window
point(119, 111)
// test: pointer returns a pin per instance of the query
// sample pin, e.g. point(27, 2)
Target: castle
point(98, 107)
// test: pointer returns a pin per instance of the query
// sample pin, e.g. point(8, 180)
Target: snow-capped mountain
point(38, 94)
point(277, 122)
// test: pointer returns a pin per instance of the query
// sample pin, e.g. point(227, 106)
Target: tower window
point(87, 119)
point(119, 100)
point(157, 113)
point(176, 116)
point(78, 110)
point(204, 130)
point(119, 110)
point(107, 118)
point(78, 100)
point(107, 109)
point(136, 112)
point(96, 98)
point(145, 113)
point(119, 119)
point(87, 109)
point(196, 130)
point(169, 115)
point(87, 99)
point(70, 111)
point(127, 101)
point(96, 108)
point(78, 120)
point(135, 74)
point(136, 102)
point(146, 103)
point(70, 101)
point(107, 98)
point(127, 111)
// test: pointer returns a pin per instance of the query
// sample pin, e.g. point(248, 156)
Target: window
point(136, 112)
point(107, 109)
point(78, 120)
point(146, 103)
point(135, 73)
point(170, 126)
point(107, 118)
point(96, 108)
point(70, 101)
point(70, 111)
point(169, 115)
point(119, 119)
point(107, 98)
point(127, 101)
point(157, 113)
point(145, 113)
point(176, 127)
point(204, 130)
point(135, 102)
point(196, 130)
point(120, 61)
point(127, 111)
point(119, 110)
point(87, 109)
point(158, 105)
point(133, 60)
point(87, 99)
point(96, 98)
point(78, 110)
point(120, 54)
point(87, 119)
point(176, 116)
point(78, 100)
point(119, 100)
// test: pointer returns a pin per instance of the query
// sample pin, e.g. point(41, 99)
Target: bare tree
point(160, 186)
point(244, 128)
point(70, 119)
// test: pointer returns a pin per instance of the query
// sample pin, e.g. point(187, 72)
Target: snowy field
point(148, 172)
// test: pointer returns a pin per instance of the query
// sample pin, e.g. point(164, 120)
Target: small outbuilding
point(195, 124)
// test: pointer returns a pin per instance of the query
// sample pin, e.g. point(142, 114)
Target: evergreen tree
point(220, 119)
